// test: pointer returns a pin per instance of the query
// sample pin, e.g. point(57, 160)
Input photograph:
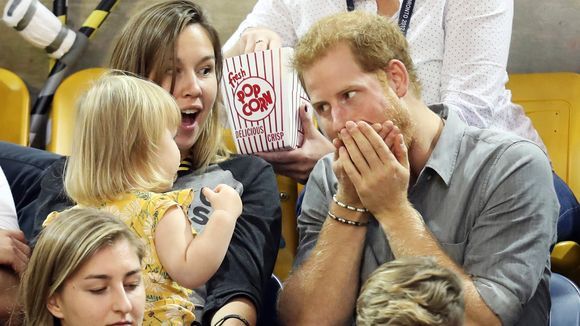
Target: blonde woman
point(411, 291)
point(173, 44)
point(85, 270)
point(127, 178)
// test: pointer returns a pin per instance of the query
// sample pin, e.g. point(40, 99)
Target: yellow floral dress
point(166, 301)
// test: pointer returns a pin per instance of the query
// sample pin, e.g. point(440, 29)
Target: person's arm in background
point(8, 219)
point(269, 22)
point(14, 251)
point(477, 41)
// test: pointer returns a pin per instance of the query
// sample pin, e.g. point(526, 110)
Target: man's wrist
point(347, 206)
point(347, 214)
point(392, 218)
point(341, 197)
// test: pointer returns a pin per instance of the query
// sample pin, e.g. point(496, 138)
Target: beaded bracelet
point(351, 208)
point(345, 221)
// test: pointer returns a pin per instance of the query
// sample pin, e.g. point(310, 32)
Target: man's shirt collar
point(446, 152)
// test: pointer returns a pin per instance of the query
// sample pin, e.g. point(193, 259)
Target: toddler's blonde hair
point(120, 122)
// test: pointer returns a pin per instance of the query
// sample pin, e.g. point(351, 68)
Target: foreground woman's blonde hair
point(62, 248)
point(120, 122)
point(411, 291)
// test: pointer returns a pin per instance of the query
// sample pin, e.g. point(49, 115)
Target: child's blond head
point(120, 122)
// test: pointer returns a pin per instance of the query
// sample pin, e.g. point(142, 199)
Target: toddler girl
point(124, 159)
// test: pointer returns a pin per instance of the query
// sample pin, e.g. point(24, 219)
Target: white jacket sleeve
point(273, 14)
point(8, 219)
point(477, 40)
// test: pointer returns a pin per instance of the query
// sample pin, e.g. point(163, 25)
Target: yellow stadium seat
point(288, 195)
point(14, 108)
point(566, 257)
point(552, 101)
point(63, 108)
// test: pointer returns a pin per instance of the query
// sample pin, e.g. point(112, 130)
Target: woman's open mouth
point(188, 119)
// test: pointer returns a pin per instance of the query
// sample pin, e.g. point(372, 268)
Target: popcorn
point(262, 94)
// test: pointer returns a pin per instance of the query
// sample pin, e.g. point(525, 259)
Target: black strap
point(404, 14)
point(350, 5)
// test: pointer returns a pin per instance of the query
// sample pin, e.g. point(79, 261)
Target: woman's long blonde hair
point(147, 45)
point(119, 124)
point(62, 248)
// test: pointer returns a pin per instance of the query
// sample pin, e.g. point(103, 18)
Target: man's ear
point(398, 77)
point(54, 306)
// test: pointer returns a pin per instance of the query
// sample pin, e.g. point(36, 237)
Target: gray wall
point(546, 35)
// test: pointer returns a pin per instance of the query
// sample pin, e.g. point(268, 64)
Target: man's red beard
point(399, 114)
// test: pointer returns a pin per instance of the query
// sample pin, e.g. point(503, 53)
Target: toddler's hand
point(224, 198)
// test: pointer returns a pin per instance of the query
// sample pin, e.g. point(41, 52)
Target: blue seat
point(565, 301)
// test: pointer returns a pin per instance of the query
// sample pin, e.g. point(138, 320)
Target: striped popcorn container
point(262, 94)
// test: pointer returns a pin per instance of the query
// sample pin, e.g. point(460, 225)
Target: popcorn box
point(262, 94)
